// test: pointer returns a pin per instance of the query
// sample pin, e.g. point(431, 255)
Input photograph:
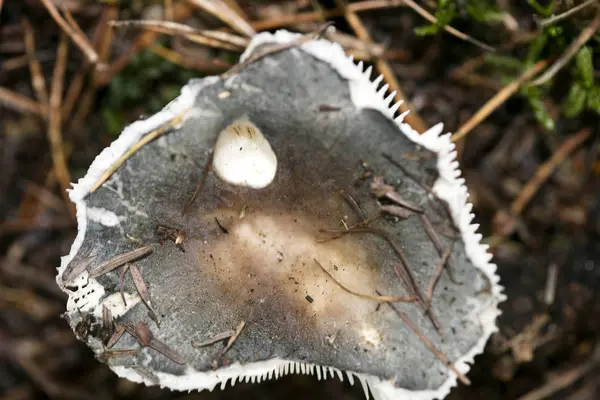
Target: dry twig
point(18, 102)
point(37, 78)
point(384, 299)
point(582, 39)
point(221, 10)
point(214, 39)
point(497, 100)
point(235, 334)
point(59, 159)
point(546, 169)
point(80, 40)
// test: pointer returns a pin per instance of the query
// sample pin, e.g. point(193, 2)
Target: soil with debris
point(548, 255)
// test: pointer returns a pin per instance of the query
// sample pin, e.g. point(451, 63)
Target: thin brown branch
point(213, 65)
point(37, 78)
point(59, 159)
point(80, 40)
point(294, 19)
point(546, 169)
point(383, 299)
point(498, 100)
point(562, 380)
point(234, 336)
point(102, 41)
point(144, 40)
point(573, 48)
point(438, 272)
point(217, 338)
point(142, 289)
point(221, 10)
point(438, 353)
point(18, 102)
point(214, 39)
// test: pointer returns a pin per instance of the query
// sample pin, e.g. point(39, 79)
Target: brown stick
point(384, 299)
point(230, 343)
point(546, 169)
point(438, 272)
point(18, 102)
point(80, 40)
point(222, 11)
point(59, 159)
point(497, 100)
point(37, 78)
point(583, 37)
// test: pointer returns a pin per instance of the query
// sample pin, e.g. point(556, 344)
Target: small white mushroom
point(243, 156)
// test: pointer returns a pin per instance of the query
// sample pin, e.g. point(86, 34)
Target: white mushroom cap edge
point(449, 187)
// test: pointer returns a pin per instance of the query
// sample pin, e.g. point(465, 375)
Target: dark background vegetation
point(546, 347)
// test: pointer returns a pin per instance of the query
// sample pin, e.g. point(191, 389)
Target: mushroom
point(309, 227)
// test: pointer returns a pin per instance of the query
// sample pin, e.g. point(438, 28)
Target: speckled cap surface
point(251, 251)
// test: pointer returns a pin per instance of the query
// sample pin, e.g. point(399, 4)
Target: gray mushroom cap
point(312, 121)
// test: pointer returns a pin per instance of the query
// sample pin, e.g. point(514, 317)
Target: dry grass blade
point(133, 149)
point(102, 41)
point(120, 260)
point(80, 40)
point(438, 272)
point(217, 338)
point(236, 333)
point(166, 351)
point(352, 203)
point(59, 159)
point(294, 19)
point(546, 169)
point(208, 66)
point(582, 39)
point(122, 283)
point(441, 356)
point(435, 239)
point(107, 320)
point(37, 78)
point(497, 100)
point(383, 299)
point(214, 39)
point(221, 10)
point(108, 354)
point(142, 290)
point(18, 102)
